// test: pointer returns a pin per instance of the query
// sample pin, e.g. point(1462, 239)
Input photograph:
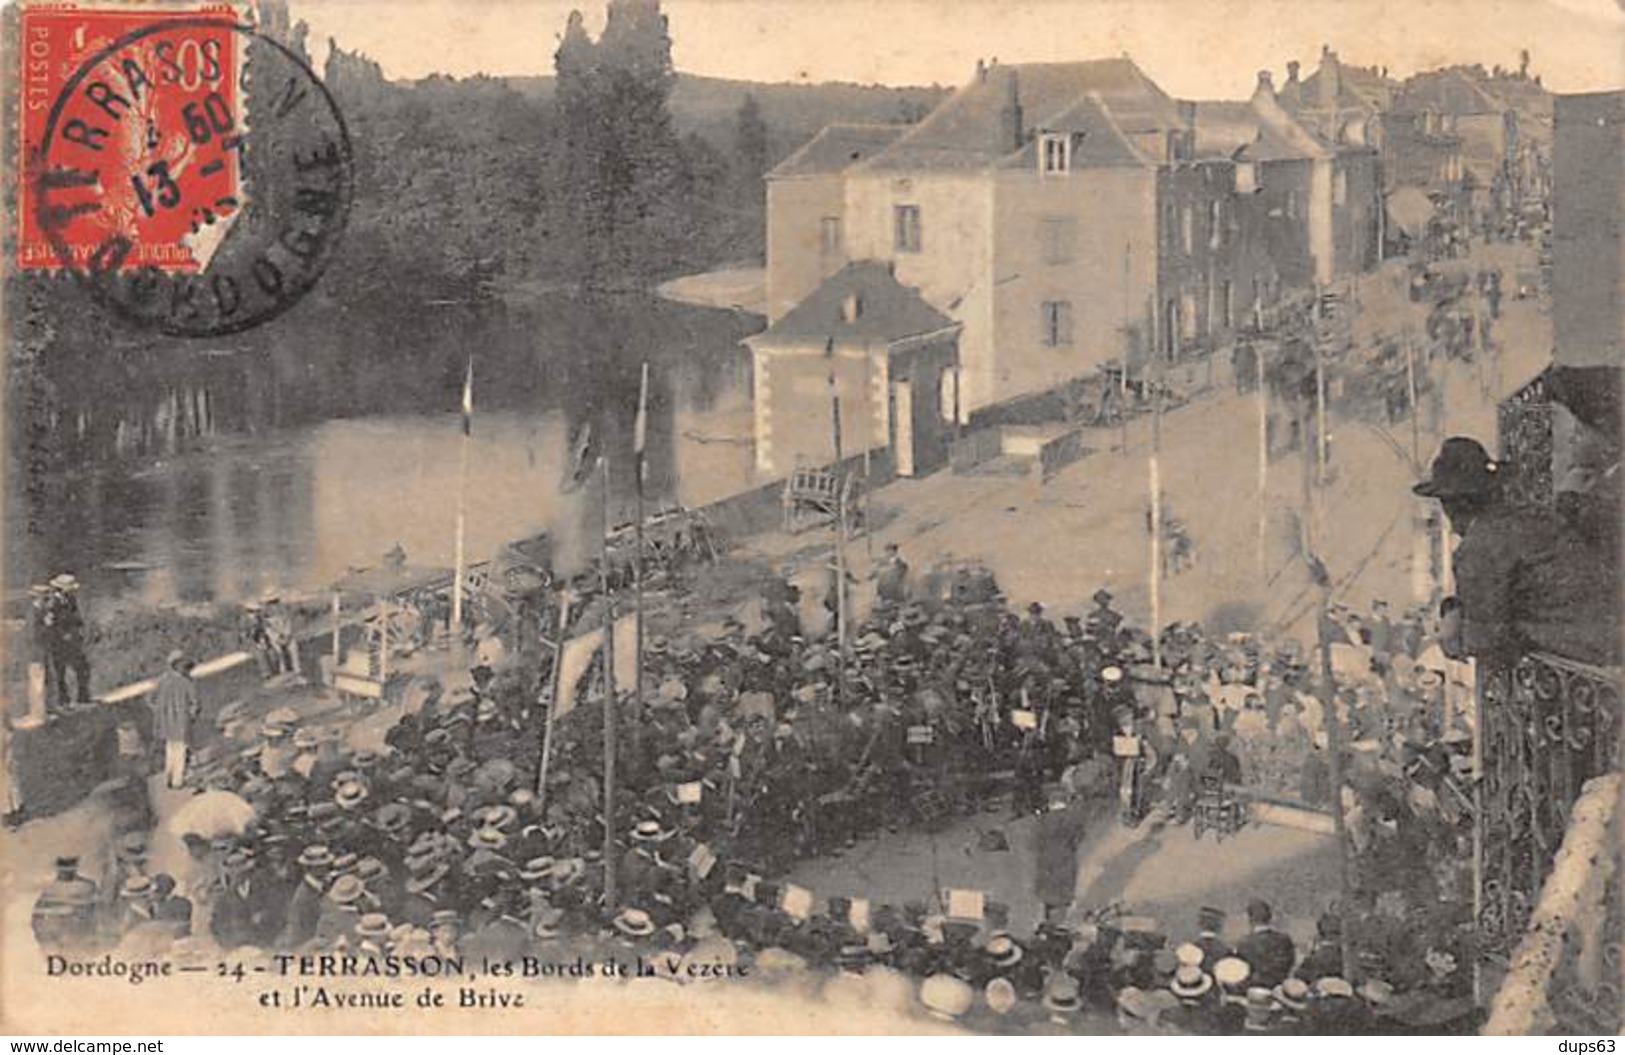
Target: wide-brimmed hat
point(1003, 950)
point(1190, 981)
point(1377, 992)
point(370, 868)
point(350, 794)
point(315, 856)
point(426, 875)
point(1189, 955)
point(1102, 596)
point(1231, 971)
point(393, 817)
point(1293, 994)
point(634, 922)
point(136, 886)
point(487, 838)
point(1112, 674)
point(945, 996)
point(650, 831)
point(537, 868)
point(65, 582)
point(501, 817)
point(1333, 986)
point(1061, 993)
point(1462, 467)
point(373, 925)
point(1000, 995)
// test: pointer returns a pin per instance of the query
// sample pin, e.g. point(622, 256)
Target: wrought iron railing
point(1549, 724)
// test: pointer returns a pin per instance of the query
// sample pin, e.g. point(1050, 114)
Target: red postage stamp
point(131, 135)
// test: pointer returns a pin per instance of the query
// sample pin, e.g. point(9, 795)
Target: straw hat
point(635, 923)
point(1003, 949)
point(1000, 995)
point(1061, 993)
point(347, 889)
point(1293, 994)
point(1231, 971)
point(1190, 982)
point(373, 925)
point(1189, 955)
point(945, 996)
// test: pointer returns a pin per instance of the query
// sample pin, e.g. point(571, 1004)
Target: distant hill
point(794, 112)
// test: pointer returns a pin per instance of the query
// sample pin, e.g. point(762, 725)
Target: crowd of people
point(758, 749)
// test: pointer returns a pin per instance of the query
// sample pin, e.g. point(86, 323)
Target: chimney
point(1011, 122)
point(981, 72)
point(1292, 69)
point(1331, 77)
point(1266, 83)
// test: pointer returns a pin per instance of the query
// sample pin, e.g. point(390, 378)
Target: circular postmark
point(195, 175)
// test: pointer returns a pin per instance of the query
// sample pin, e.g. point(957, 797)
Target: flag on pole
point(640, 427)
point(468, 399)
point(577, 656)
point(584, 457)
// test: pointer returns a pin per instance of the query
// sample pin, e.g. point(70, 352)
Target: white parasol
point(211, 815)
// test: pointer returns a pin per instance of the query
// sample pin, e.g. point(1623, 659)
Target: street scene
point(1040, 553)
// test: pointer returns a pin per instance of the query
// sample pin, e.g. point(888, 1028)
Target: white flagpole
point(456, 627)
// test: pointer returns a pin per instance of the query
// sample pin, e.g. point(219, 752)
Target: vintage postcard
point(751, 517)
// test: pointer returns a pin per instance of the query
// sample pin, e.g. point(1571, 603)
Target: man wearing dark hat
point(1524, 580)
point(1267, 951)
point(65, 637)
point(891, 578)
point(1060, 832)
point(175, 706)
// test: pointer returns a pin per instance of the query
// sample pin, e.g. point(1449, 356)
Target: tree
point(750, 144)
point(620, 157)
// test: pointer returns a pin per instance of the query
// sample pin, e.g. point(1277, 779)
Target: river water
point(191, 473)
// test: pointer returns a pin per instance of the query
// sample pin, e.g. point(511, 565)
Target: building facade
point(1068, 215)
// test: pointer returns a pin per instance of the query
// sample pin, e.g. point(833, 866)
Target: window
point(1215, 224)
point(1188, 228)
point(1227, 305)
point(1340, 188)
point(1292, 205)
point(829, 235)
point(1055, 154)
point(1056, 318)
point(906, 228)
point(1246, 177)
point(1058, 238)
point(1187, 317)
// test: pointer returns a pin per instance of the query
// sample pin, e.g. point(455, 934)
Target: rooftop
point(837, 147)
point(861, 302)
point(968, 129)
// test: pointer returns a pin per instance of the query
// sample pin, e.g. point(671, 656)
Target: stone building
point(1069, 214)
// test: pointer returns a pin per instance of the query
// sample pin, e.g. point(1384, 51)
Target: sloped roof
point(1449, 91)
point(836, 147)
point(964, 131)
point(1097, 138)
point(887, 309)
point(1252, 131)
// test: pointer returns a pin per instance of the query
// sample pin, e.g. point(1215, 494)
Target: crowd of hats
point(752, 752)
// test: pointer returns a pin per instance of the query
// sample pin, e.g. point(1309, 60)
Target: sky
point(1192, 48)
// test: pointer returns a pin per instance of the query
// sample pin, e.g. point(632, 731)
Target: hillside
point(794, 112)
